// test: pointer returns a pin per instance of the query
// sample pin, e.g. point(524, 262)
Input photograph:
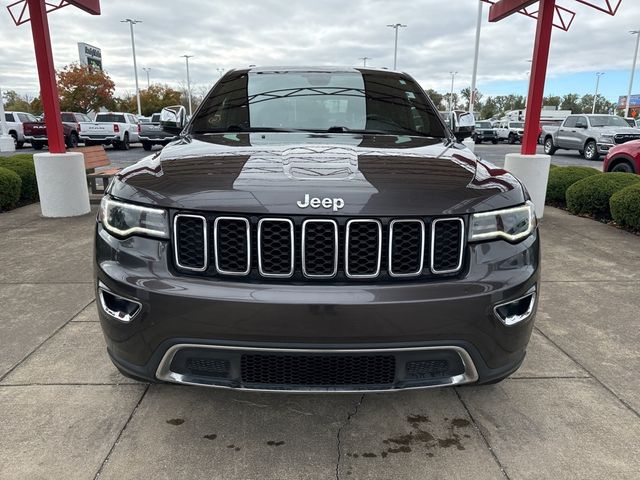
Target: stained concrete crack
point(482, 435)
point(344, 425)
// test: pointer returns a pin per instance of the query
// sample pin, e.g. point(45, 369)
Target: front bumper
point(604, 147)
point(235, 319)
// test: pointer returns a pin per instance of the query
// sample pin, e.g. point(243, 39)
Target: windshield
point(109, 118)
point(607, 121)
point(516, 125)
point(377, 102)
point(483, 124)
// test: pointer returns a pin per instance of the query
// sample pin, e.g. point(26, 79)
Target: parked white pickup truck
point(14, 125)
point(117, 129)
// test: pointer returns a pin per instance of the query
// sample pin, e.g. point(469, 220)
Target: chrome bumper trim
point(165, 374)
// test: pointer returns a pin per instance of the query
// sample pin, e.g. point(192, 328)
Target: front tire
point(124, 144)
point(494, 141)
point(512, 139)
point(623, 166)
point(15, 140)
point(591, 151)
point(37, 145)
point(72, 141)
point(549, 148)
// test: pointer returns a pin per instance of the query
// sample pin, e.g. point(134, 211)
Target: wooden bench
point(96, 157)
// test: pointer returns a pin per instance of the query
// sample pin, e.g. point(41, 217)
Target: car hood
point(271, 173)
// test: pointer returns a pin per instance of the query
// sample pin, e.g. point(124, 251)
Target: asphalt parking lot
point(572, 411)
point(493, 153)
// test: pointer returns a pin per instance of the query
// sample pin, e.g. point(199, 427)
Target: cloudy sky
point(439, 38)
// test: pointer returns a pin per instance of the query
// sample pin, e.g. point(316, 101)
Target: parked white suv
point(109, 128)
point(14, 125)
point(509, 131)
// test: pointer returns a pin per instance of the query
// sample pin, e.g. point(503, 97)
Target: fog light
point(120, 308)
point(516, 311)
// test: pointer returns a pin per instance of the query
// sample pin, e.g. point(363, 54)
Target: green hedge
point(10, 184)
point(561, 178)
point(23, 165)
point(591, 195)
point(625, 207)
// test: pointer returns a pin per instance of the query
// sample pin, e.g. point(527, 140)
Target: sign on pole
point(90, 56)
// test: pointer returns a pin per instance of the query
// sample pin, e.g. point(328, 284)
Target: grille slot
point(276, 247)
point(232, 245)
point(447, 239)
point(319, 248)
point(318, 370)
point(190, 242)
point(406, 248)
point(363, 248)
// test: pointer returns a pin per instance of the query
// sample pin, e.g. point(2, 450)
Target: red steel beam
point(504, 8)
point(46, 75)
point(89, 6)
point(538, 75)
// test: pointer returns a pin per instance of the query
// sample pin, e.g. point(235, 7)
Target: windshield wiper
point(244, 129)
point(402, 131)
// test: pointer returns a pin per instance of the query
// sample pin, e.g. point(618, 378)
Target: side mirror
point(173, 119)
point(465, 125)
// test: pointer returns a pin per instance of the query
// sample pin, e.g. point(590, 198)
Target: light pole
point(474, 75)
point(633, 71)
point(147, 70)
point(135, 64)
point(396, 26)
point(187, 57)
point(595, 97)
point(453, 76)
point(364, 60)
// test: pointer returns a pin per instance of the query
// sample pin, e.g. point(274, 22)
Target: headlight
point(606, 138)
point(124, 219)
point(512, 224)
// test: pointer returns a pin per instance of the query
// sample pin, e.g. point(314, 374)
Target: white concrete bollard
point(470, 144)
point(7, 143)
point(533, 172)
point(62, 184)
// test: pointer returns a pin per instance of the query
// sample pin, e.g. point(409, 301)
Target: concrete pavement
point(571, 411)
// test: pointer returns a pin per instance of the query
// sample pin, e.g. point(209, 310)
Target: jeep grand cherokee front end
point(316, 229)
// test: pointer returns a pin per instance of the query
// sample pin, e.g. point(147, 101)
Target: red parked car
point(623, 158)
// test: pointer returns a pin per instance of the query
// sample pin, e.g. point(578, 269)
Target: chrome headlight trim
point(526, 209)
point(162, 216)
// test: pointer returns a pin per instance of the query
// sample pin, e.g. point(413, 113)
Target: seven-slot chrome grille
point(319, 248)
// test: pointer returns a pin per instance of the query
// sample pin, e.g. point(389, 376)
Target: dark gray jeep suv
point(316, 229)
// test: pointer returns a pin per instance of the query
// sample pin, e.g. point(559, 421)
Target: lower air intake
point(318, 370)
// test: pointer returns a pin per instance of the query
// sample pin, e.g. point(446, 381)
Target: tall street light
point(147, 70)
point(396, 26)
point(187, 57)
point(453, 76)
point(595, 97)
point(135, 64)
point(364, 60)
point(474, 75)
point(633, 71)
